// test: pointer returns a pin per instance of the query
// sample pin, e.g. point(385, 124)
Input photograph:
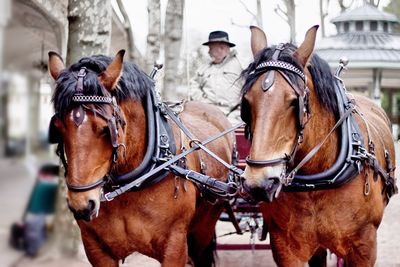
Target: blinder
point(54, 133)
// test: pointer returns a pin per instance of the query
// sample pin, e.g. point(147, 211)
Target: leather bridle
point(114, 122)
point(269, 67)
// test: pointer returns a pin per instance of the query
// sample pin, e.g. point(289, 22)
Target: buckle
point(107, 196)
point(82, 72)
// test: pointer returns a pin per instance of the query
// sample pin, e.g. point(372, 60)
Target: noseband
point(113, 123)
point(269, 67)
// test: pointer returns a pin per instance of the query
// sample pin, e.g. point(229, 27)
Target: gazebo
point(365, 37)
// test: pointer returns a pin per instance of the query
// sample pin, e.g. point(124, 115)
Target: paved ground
point(17, 177)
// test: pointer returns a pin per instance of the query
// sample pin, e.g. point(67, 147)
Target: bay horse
point(105, 124)
point(320, 158)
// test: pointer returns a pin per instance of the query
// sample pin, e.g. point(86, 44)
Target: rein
point(169, 164)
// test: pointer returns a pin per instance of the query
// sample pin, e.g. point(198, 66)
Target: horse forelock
point(133, 83)
point(250, 75)
point(321, 75)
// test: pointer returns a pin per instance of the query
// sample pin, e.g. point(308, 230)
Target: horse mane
point(322, 76)
point(133, 83)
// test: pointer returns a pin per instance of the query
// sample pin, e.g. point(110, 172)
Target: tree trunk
point(291, 19)
point(5, 13)
point(259, 15)
point(172, 43)
point(133, 53)
point(89, 34)
point(374, 3)
point(288, 14)
point(323, 12)
point(89, 28)
point(154, 34)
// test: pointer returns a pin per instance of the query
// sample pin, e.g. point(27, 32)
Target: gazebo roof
point(365, 12)
point(365, 48)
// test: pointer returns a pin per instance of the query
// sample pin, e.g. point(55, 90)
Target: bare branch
point(255, 17)
point(343, 7)
point(247, 9)
point(240, 25)
point(281, 13)
point(134, 54)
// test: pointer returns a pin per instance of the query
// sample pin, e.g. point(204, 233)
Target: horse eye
point(294, 102)
point(105, 132)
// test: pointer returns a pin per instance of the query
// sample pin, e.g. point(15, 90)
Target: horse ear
point(305, 50)
point(110, 77)
point(258, 40)
point(56, 64)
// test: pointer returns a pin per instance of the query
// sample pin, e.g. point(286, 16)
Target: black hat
point(219, 36)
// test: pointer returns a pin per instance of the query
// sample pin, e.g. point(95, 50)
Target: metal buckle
point(82, 72)
point(107, 196)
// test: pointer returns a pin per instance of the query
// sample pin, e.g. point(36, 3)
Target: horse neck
point(318, 127)
point(134, 137)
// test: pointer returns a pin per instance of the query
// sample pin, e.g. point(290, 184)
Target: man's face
point(218, 51)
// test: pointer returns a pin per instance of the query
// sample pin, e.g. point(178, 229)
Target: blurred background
point(170, 31)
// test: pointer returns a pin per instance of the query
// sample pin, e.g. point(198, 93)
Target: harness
point(160, 157)
point(352, 155)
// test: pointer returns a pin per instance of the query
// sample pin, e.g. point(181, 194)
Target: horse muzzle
point(87, 213)
point(267, 191)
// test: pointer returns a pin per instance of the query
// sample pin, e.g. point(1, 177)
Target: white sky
point(203, 16)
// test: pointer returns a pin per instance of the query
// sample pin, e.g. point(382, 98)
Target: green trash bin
point(43, 198)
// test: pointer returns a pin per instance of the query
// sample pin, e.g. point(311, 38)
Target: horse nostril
point(272, 182)
point(91, 205)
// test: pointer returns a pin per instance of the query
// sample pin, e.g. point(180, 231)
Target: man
point(218, 81)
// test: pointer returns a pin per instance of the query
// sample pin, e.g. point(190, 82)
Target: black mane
point(322, 76)
point(133, 83)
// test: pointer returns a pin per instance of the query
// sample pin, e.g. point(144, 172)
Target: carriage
point(130, 153)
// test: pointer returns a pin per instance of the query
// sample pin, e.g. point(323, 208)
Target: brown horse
point(330, 198)
point(104, 116)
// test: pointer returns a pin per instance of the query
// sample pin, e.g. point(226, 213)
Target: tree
point(154, 34)
point(394, 8)
point(89, 28)
point(374, 3)
point(343, 6)
point(172, 46)
point(89, 34)
point(323, 12)
point(133, 52)
point(288, 14)
point(257, 17)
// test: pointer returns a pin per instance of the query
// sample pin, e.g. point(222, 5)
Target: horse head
point(90, 126)
point(275, 106)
